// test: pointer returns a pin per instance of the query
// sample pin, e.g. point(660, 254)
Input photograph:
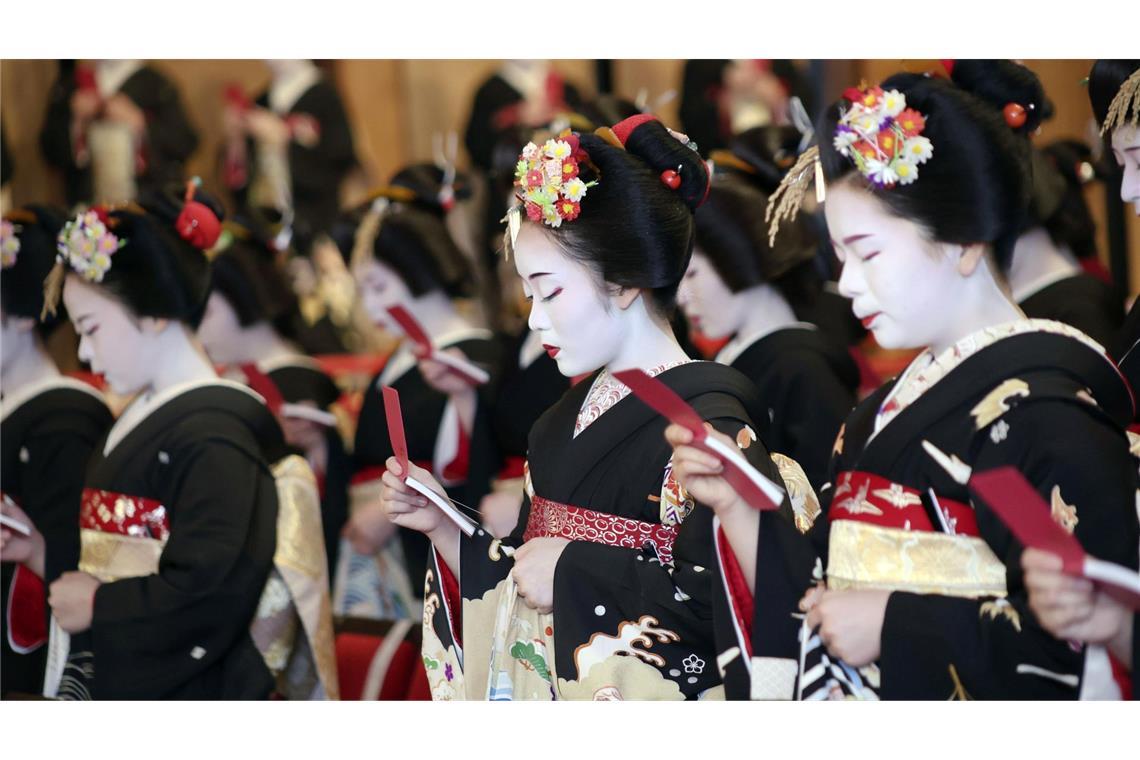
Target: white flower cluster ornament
point(9, 244)
point(547, 180)
point(87, 245)
point(882, 136)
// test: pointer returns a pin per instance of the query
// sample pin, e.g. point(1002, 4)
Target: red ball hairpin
point(197, 224)
point(671, 178)
point(1014, 114)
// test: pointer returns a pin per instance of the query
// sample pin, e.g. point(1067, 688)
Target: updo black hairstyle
point(246, 273)
point(1060, 171)
point(157, 273)
point(1105, 80)
point(414, 242)
point(730, 225)
point(975, 187)
point(426, 183)
point(633, 230)
point(35, 227)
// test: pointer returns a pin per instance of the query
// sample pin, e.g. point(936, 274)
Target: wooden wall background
point(396, 105)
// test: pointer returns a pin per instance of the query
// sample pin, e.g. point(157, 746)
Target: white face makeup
point(112, 340)
point(10, 339)
point(710, 306)
point(904, 287)
point(580, 325)
point(380, 288)
point(220, 331)
point(1126, 151)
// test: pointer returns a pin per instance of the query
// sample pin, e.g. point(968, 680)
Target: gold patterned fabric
point(866, 556)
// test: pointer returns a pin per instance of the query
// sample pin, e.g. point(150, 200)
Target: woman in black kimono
point(601, 591)
point(1114, 85)
point(250, 326)
point(50, 426)
point(178, 514)
point(1072, 608)
point(1046, 275)
point(923, 597)
point(110, 94)
point(404, 256)
point(740, 286)
point(291, 149)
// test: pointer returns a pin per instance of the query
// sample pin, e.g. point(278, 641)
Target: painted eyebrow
point(536, 275)
point(79, 320)
point(852, 239)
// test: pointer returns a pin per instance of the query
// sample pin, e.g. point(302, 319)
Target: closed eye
point(92, 331)
point(552, 295)
point(872, 255)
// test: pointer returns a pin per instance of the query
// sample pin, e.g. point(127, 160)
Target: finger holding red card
point(1018, 504)
point(426, 350)
point(757, 490)
point(400, 451)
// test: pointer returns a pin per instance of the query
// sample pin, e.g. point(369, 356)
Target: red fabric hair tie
point(197, 224)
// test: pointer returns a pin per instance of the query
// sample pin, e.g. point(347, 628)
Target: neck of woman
point(1039, 262)
point(178, 359)
point(647, 340)
point(983, 303)
point(28, 365)
point(765, 310)
point(260, 342)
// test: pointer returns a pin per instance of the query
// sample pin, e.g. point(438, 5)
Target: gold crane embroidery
point(1001, 607)
point(996, 402)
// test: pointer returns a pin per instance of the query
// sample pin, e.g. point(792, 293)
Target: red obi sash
point(551, 519)
point(866, 497)
point(110, 512)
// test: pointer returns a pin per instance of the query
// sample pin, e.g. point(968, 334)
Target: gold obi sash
point(882, 538)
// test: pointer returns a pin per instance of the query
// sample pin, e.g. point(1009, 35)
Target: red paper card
point(395, 426)
point(1011, 497)
point(426, 350)
point(757, 490)
point(400, 449)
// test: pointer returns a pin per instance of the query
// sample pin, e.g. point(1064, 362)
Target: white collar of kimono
point(286, 91)
point(112, 75)
point(146, 404)
point(22, 396)
point(403, 359)
point(741, 343)
point(1035, 286)
point(926, 369)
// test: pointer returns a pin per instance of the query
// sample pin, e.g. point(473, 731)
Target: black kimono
point(531, 384)
point(632, 590)
point(1087, 303)
point(1033, 394)
point(47, 435)
point(434, 436)
point(170, 135)
point(316, 171)
point(807, 385)
point(183, 480)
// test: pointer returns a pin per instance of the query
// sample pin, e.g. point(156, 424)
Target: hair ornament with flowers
point(86, 244)
point(882, 136)
point(547, 180)
point(9, 243)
